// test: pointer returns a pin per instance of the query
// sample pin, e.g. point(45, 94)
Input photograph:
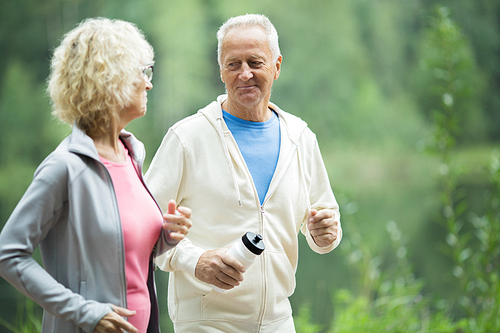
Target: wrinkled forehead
point(245, 31)
point(251, 39)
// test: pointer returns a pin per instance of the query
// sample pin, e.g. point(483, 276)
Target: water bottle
point(245, 251)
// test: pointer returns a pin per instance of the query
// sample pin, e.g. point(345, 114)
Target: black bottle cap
point(253, 242)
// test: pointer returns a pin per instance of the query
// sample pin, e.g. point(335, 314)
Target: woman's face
point(138, 106)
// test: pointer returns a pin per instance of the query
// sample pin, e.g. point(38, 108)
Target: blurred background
point(404, 99)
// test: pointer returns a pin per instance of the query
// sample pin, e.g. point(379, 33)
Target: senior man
point(242, 164)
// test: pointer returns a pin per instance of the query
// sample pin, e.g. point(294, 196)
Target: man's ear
point(278, 67)
point(220, 72)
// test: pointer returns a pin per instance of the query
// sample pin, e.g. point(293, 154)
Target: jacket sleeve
point(164, 243)
point(39, 210)
point(319, 190)
point(167, 179)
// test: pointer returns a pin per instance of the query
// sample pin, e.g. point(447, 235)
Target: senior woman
point(88, 208)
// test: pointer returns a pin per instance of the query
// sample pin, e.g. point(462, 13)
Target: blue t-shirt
point(259, 143)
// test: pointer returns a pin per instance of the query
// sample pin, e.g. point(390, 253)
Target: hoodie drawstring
point(228, 157)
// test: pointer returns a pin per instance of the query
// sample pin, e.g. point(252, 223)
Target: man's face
point(247, 67)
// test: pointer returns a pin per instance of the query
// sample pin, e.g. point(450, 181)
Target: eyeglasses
point(147, 71)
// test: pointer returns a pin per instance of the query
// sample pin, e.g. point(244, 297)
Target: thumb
point(171, 207)
point(123, 312)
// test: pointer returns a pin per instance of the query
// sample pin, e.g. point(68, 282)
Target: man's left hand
point(322, 227)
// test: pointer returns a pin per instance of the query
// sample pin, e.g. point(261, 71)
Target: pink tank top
point(141, 224)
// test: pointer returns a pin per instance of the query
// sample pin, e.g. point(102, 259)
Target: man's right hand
point(220, 269)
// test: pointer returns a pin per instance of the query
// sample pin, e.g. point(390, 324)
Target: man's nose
point(246, 72)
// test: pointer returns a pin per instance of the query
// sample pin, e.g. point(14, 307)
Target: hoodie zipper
point(264, 275)
point(274, 183)
point(273, 187)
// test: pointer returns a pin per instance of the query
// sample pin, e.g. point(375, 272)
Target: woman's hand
point(113, 322)
point(177, 222)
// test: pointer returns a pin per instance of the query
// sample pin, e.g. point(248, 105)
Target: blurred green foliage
point(403, 96)
point(27, 319)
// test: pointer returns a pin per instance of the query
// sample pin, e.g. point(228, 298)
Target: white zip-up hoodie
point(200, 166)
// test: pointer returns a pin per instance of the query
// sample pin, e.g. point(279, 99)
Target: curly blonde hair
point(95, 72)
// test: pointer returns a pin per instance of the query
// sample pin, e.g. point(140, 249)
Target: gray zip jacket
point(70, 210)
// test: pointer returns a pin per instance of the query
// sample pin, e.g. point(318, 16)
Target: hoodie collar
point(294, 125)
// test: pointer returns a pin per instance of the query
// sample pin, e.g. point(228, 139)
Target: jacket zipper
point(122, 275)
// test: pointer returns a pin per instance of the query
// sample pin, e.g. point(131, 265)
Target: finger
point(126, 326)
point(232, 266)
point(322, 224)
point(123, 312)
point(178, 224)
point(331, 230)
point(323, 227)
point(177, 236)
point(321, 232)
point(225, 264)
point(221, 283)
point(211, 269)
point(177, 219)
point(229, 276)
point(174, 227)
point(312, 212)
point(171, 207)
point(325, 233)
point(321, 215)
point(121, 323)
point(185, 222)
point(229, 280)
point(225, 269)
point(185, 211)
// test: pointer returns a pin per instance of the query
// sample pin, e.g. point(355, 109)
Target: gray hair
point(249, 20)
